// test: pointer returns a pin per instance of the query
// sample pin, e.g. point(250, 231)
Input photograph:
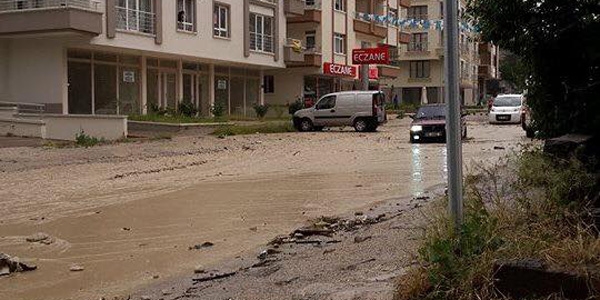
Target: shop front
point(335, 78)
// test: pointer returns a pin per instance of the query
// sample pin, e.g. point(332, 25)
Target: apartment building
point(327, 32)
point(131, 56)
point(489, 70)
point(422, 60)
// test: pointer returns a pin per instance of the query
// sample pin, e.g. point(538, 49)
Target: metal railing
point(418, 47)
point(185, 26)
point(18, 5)
point(135, 20)
point(261, 42)
point(24, 108)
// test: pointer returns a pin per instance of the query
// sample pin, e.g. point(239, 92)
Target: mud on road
point(128, 213)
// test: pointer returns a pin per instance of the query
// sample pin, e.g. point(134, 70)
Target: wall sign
point(339, 70)
point(129, 76)
point(221, 84)
point(377, 56)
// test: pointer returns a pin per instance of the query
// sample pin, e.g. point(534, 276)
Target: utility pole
point(364, 73)
point(453, 123)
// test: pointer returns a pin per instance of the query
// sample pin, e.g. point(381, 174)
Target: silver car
point(364, 110)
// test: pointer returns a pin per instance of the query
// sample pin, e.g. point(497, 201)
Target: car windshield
point(507, 101)
point(431, 112)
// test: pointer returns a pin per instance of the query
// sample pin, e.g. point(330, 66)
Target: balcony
point(420, 51)
point(293, 7)
point(404, 3)
point(370, 28)
point(50, 16)
point(389, 71)
point(404, 37)
point(294, 55)
point(311, 13)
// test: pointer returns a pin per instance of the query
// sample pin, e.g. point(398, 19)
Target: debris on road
point(201, 246)
point(10, 264)
point(499, 148)
point(76, 268)
point(199, 269)
point(41, 238)
point(360, 239)
point(213, 276)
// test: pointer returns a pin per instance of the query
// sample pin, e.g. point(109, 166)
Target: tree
point(558, 41)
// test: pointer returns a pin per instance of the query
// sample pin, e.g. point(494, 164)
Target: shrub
point(261, 110)
point(217, 110)
point(188, 109)
point(295, 106)
point(84, 140)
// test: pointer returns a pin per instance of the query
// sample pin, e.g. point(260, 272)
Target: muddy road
point(128, 213)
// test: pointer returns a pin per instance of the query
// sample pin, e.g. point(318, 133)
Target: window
point(418, 12)
point(186, 15)
point(339, 46)
point(269, 84)
point(340, 5)
point(326, 103)
point(221, 20)
point(261, 33)
point(418, 42)
point(135, 15)
point(419, 69)
point(392, 13)
point(310, 39)
point(310, 2)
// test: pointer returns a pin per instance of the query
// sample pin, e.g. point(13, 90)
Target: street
point(128, 213)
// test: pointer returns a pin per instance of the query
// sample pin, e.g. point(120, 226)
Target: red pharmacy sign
point(340, 70)
point(377, 56)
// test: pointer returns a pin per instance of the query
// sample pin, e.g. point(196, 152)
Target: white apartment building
point(130, 56)
point(422, 60)
point(329, 30)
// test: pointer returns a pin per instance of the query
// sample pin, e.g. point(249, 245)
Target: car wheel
point(361, 125)
point(306, 125)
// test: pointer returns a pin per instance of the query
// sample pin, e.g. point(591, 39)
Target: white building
point(130, 56)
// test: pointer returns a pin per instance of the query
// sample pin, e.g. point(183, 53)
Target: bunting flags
point(413, 23)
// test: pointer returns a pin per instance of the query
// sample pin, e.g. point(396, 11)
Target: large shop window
point(261, 33)
point(136, 15)
point(186, 15)
point(221, 20)
point(103, 83)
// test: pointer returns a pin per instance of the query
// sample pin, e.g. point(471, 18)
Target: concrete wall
point(37, 71)
point(4, 60)
point(288, 85)
point(66, 127)
point(22, 127)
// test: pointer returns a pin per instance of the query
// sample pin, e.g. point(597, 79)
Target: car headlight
point(415, 128)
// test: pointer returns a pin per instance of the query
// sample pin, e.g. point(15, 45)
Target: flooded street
point(128, 213)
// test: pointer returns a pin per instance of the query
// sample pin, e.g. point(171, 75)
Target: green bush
point(295, 106)
point(84, 140)
point(261, 110)
point(217, 110)
point(187, 109)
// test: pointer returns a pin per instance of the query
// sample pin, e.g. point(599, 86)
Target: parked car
point(364, 110)
point(506, 109)
point(429, 123)
point(527, 121)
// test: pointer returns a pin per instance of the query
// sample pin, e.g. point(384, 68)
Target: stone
point(39, 237)
point(201, 246)
point(360, 239)
point(166, 292)
point(358, 213)
point(76, 268)
point(199, 269)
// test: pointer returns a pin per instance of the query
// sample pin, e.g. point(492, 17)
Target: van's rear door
point(379, 107)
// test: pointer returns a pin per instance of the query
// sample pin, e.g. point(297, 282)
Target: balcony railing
point(185, 26)
point(261, 42)
point(418, 47)
point(136, 20)
point(17, 5)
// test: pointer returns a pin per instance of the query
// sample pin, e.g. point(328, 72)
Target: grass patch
point(267, 127)
point(174, 119)
point(530, 206)
point(84, 140)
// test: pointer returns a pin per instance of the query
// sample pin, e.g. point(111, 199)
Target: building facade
point(134, 56)
point(327, 32)
point(489, 68)
point(422, 60)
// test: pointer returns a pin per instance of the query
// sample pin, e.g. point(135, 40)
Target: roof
point(354, 92)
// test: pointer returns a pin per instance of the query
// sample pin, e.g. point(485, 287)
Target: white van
point(364, 110)
point(506, 109)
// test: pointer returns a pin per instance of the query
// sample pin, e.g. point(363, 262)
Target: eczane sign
point(340, 70)
point(377, 56)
